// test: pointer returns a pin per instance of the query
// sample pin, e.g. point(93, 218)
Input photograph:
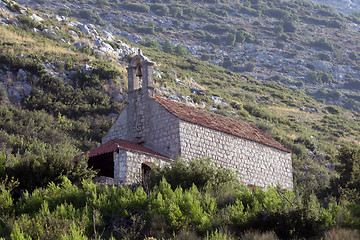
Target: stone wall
point(163, 135)
point(256, 164)
point(119, 129)
point(127, 165)
point(160, 129)
point(120, 165)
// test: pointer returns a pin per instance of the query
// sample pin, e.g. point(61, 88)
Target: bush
point(38, 167)
point(159, 9)
point(218, 28)
point(28, 23)
point(277, 13)
point(319, 77)
point(199, 172)
point(149, 43)
point(89, 15)
point(250, 11)
point(136, 7)
point(323, 43)
point(324, 56)
point(180, 50)
point(176, 11)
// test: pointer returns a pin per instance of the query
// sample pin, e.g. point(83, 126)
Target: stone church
point(152, 130)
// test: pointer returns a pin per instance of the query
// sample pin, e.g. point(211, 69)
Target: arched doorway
point(146, 169)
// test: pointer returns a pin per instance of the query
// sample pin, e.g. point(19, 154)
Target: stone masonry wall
point(127, 165)
point(119, 129)
point(256, 164)
point(120, 165)
point(163, 131)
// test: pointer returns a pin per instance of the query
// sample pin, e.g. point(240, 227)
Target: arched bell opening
point(137, 73)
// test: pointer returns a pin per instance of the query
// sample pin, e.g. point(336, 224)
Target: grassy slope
point(313, 135)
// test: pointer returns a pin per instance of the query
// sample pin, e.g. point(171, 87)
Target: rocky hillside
point(344, 6)
point(69, 68)
point(297, 44)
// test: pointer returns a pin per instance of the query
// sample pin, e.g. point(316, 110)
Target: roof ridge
point(231, 126)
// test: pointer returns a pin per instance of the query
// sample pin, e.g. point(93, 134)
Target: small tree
point(180, 50)
point(230, 39)
point(167, 46)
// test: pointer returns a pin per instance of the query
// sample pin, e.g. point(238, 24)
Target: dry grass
point(254, 235)
point(342, 234)
point(350, 140)
point(18, 42)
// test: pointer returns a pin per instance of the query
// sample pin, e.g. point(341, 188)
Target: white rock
point(108, 36)
point(84, 29)
point(49, 31)
point(73, 33)
point(36, 18)
point(86, 69)
point(60, 18)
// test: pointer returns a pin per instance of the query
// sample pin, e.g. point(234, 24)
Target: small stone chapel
point(154, 131)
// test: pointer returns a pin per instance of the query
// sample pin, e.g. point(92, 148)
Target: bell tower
point(140, 90)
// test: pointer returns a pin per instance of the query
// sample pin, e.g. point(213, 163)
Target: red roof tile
point(115, 144)
point(220, 123)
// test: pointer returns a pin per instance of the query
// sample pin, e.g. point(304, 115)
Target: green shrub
point(277, 13)
point(323, 43)
point(89, 15)
point(180, 50)
point(250, 11)
point(176, 11)
point(4, 100)
point(218, 28)
point(198, 171)
point(324, 56)
point(136, 7)
point(28, 23)
point(159, 9)
point(149, 43)
point(219, 12)
point(319, 77)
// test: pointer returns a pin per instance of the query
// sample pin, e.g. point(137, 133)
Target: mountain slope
point(344, 6)
point(296, 43)
point(74, 73)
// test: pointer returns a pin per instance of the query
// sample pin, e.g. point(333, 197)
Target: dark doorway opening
point(146, 169)
point(104, 163)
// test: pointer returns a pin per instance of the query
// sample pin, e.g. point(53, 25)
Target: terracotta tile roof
point(113, 145)
point(220, 123)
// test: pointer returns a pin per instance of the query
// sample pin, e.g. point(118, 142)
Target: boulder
point(86, 69)
point(108, 36)
point(21, 75)
point(60, 18)
point(73, 33)
point(49, 32)
point(18, 90)
point(36, 18)
point(79, 45)
point(84, 29)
